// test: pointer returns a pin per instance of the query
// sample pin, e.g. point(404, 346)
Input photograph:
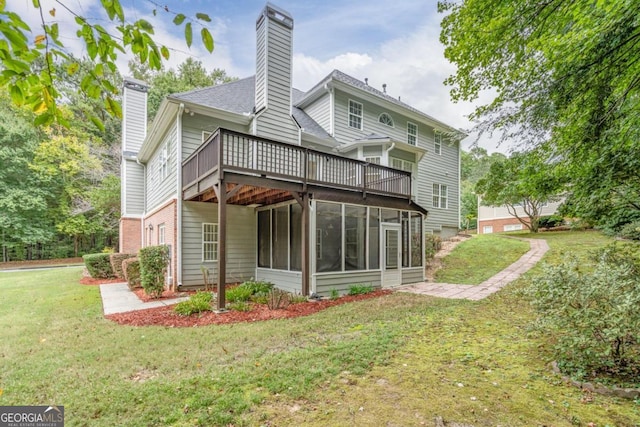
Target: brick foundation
point(166, 215)
point(498, 224)
point(130, 238)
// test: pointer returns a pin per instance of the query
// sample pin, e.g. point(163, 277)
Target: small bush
point(278, 299)
point(334, 294)
point(630, 231)
point(239, 306)
point(550, 221)
point(297, 298)
point(153, 264)
point(197, 303)
point(593, 312)
point(116, 263)
point(131, 272)
point(432, 244)
point(257, 287)
point(98, 265)
point(260, 298)
point(360, 289)
point(239, 293)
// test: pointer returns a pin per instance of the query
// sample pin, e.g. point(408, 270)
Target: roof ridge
point(200, 89)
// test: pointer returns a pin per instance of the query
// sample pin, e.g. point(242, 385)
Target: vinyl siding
point(500, 212)
point(341, 281)
point(241, 242)
point(159, 189)
point(133, 188)
point(273, 83)
point(320, 111)
point(290, 281)
point(412, 275)
point(135, 119)
point(193, 126)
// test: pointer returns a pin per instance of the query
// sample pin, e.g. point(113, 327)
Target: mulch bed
point(165, 316)
point(165, 295)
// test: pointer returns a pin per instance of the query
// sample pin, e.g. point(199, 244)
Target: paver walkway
point(538, 248)
point(117, 298)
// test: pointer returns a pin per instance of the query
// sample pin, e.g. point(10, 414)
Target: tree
point(524, 180)
point(28, 58)
point(566, 73)
point(191, 74)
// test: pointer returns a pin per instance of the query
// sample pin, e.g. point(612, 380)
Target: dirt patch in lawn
point(88, 280)
point(165, 316)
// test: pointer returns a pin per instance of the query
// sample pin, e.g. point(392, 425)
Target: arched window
point(385, 119)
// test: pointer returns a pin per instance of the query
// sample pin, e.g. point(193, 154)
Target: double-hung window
point(437, 143)
point(440, 196)
point(355, 115)
point(412, 133)
point(209, 242)
point(163, 163)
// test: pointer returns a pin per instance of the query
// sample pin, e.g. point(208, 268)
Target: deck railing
point(262, 157)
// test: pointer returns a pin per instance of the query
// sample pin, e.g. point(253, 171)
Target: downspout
point(386, 154)
point(144, 198)
point(178, 248)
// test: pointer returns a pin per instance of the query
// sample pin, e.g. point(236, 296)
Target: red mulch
point(165, 316)
point(87, 280)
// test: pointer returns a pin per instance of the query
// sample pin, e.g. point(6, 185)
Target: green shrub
point(550, 221)
point(116, 263)
point(630, 231)
point(334, 294)
point(239, 293)
point(593, 312)
point(239, 306)
point(278, 299)
point(360, 289)
point(153, 264)
point(257, 287)
point(98, 265)
point(260, 298)
point(197, 303)
point(297, 298)
point(131, 271)
point(432, 244)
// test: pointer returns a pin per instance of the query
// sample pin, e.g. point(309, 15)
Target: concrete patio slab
point(117, 298)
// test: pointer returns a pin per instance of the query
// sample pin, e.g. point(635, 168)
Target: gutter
point(178, 247)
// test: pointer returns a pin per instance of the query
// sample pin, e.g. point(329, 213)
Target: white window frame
point(412, 136)
point(401, 164)
point(374, 160)
point(437, 143)
point(163, 163)
point(487, 229)
point(209, 245)
point(388, 120)
point(512, 227)
point(358, 116)
point(162, 230)
point(440, 197)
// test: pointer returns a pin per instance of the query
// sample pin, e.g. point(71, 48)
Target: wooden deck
point(272, 170)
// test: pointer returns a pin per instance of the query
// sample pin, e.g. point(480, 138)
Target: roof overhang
point(167, 112)
point(383, 141)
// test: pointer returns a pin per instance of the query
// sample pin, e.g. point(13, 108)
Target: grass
point(401, 358)
point(480, 258)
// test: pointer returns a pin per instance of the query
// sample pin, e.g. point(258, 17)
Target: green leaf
point(188, 34)
point(17, 96)
point(113, 107)
point(165, 52)
point(179, 19)
point(144, 25)
point(73, 68)
point(207, 39)
point(96, 121)
point(203, 17)
point(43, 119)
point(36, 3)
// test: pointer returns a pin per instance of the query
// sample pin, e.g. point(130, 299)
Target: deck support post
point(305, 244)
point(222, 244)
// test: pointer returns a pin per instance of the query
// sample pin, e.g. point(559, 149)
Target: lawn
point(480, 258)
point(401, 359)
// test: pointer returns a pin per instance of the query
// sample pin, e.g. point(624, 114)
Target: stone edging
point(625, 393)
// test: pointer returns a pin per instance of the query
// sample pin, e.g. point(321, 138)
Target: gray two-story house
point(313, 191)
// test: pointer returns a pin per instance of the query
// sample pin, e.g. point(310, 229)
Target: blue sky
point(396, 43)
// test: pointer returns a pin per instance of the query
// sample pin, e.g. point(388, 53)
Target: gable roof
point(345, 81)
point(239, 97)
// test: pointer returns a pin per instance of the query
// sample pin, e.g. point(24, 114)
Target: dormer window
point(386, 119)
